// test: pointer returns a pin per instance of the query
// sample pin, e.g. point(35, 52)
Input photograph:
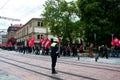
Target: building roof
point(14, 27)
point(17, 25)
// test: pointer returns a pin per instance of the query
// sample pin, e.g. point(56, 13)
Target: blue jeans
point(115, 54)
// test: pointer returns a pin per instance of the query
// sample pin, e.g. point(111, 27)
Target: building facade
point(4, 39)
point(0, 39)
point(33, 28)
point(12, 29)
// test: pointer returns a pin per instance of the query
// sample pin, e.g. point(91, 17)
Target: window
point(40, 24)
point(38, 36)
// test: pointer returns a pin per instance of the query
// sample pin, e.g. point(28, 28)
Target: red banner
point(41, 40)
point(47, 44)
point(10, 44)
point(115, 42)
point(45, 40)
point(31, 41)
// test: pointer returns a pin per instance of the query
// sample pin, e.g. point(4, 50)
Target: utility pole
point(7, 18)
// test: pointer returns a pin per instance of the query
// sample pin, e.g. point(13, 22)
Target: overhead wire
point(33, 10)
point(3, 24)
point(4, 4)
point(29, 12)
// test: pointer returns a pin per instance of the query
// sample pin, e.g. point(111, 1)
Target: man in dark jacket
point(54, 53)
point(103, 51)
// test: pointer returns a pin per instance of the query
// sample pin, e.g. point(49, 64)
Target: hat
point(55, 39)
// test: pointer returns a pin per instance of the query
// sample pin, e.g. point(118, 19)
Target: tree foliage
point(60, 16)
point(100, 17)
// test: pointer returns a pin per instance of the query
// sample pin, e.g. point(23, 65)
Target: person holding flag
point(115, 47)
point(47, 46)
point(31, 42)
point(42, 41)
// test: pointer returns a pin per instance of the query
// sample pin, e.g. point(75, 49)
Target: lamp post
point(112, 35)
point(95, 38)
point(96, 54)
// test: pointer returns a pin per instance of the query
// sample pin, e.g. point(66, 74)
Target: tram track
point(97, 66)
point(71, 74)
point(32, 70)
point(77, 63)
point(24, 59)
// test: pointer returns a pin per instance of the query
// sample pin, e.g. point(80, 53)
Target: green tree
point(61, 16)
point(100, 17)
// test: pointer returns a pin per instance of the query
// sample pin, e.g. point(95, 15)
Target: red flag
point(41, 40)
point(114, 41)
point(10, 44)
point(43, 43)
point(31, 41)
point(47, 44)
point(118, 43)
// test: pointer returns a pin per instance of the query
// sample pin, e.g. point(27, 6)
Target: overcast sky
point(20, 9)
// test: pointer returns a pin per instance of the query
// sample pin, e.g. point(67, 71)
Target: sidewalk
point(110, 60)
point(6, 76)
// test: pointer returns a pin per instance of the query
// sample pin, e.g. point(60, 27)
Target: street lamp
point(112, 35)
point(96, 54)
point(95, 38)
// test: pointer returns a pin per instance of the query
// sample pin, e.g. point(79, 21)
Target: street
point(38, 67)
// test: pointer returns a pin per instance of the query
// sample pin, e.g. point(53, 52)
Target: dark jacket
point(54, 48)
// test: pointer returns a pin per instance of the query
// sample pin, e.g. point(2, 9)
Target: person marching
point(54, 54)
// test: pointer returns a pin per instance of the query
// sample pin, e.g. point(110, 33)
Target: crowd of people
point(65, 50)
point(68, 50)
point(56, 50)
